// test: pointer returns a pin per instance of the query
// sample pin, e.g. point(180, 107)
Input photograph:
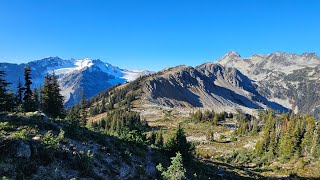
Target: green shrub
point(23, 134)
point(85, 162)
point(52, 142)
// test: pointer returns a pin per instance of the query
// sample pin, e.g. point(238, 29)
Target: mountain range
point(91, 76)
point(280, 81)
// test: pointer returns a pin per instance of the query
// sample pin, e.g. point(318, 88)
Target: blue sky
point(154, 34)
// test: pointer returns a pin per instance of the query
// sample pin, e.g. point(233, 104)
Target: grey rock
point(23, 150)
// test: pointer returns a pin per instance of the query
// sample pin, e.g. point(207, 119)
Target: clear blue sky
point(154, 34)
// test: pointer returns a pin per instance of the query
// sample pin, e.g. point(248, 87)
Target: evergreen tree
point(74, 114)
point(286, 142)
point(27, 98)
point(210, 135)
point(178, 143)
point(159, 139)
point(35, 99)
point(57, 101)
point(153, 137)
point(215, 120)
point(40, 97)
point(175, 171)
point(103, 105)
point(306, 144)
point(50, 97)
point(254, 129)
point(20, 92)
point(4, 96)
point(46, 95)
point(11, 101)
point(83, 120)
point(315, 150)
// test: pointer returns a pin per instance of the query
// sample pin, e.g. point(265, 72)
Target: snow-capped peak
point(92, 75)
point(83, 63)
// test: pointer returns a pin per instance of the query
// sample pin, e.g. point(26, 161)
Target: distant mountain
point(208, 86)
point(289, 79)
point(278, 81)
point(92, 76)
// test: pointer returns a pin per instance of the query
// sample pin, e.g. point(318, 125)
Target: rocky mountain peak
point(309, 55)
point(229, 57)
point(233, 54)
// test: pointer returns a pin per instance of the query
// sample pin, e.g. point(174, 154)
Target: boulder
point(23, 150)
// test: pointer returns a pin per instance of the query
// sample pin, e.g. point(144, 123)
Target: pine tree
point(28, 103)
point(254, 129)
point(83, 120)
point(215, 120)
point(50, 97)
point(159, 139)
point(4, 96)
point(103, 105)
point(73, 115)
point(306, 144)
point(178, 143)
point(175, 171)
point(315, 150)
point(286, 142)
point(20, 92)
point(57, 101)
point(46, 95)
point(40, 97)
point(35, 99)
point(11, 100)
point(210, 135)
point(153, 137)
point(271, 149)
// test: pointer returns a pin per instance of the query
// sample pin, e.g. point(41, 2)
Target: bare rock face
point(288, 79)
point(209, 85)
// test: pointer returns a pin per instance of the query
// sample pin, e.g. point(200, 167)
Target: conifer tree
point(178, 143)
point(153, 137)
point(159, 139)
point(73, 114)
point(315, 150)
point(210, 135)
point(20, 90)
point(27, 98)
point(254, 129)
point(103, 105)
point(83, 120)
point(306, 144)
point(35, 99)
point(175, 171)
point(57, 101)
point(46, 95)
point(4, 96)
point(215, 120)
point(286, 142)
point(51, 99)
point(40, 97)
point(11, 100)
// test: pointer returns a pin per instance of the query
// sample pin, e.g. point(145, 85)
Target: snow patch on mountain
point(75, 75)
